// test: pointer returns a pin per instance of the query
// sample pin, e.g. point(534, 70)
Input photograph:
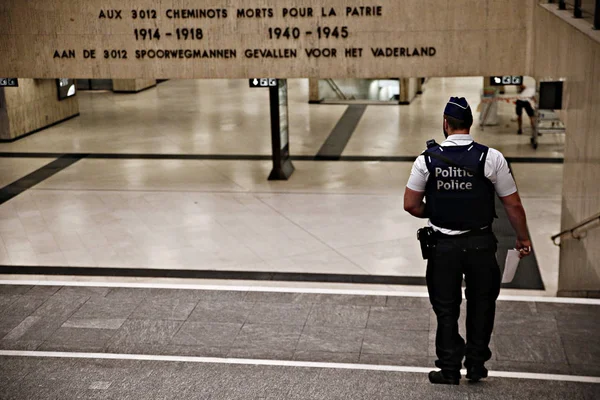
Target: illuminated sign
point(262, 82)
point(66, 88)
point(9, 82)
point(506, 80)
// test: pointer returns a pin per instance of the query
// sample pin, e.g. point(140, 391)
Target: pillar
point(32, 106)
point(556, 37)
point(420, 85)
point(579, 268)
point(408, 90)
point(313, 91)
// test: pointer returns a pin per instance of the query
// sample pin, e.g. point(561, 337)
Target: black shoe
point(439, 377)
point(519, 132)
point(476, 372)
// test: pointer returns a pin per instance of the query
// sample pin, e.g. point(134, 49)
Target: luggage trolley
point(546, 121)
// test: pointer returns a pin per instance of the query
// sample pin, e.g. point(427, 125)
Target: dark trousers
point(521, 104)
point(475, 258)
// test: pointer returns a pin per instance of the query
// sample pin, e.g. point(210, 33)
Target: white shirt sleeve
point(527, 94)
point(419, 175)
point(497, 171)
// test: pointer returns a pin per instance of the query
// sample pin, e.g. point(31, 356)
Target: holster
point(428, 241)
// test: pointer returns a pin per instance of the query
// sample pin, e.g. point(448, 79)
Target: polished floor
point(336, 217)
point(227, 117)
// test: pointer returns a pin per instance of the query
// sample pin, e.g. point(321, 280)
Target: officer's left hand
point(524, 247)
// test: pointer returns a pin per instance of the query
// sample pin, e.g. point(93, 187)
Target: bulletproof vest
point(455, 198)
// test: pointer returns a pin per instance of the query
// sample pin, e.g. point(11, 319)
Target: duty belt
point(472, 232)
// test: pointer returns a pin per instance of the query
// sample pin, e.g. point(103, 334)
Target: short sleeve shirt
point(496, 170)
point(527, 95)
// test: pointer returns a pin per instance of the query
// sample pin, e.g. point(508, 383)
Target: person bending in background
point(525, 101)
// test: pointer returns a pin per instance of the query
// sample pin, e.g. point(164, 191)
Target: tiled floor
point(384, 330)
point(185, 116)
point(51, 378)
point(404, 130)
point(227, 117)
point(12, 169)
point(330, 217)
point(319, 330)
point(99, 213)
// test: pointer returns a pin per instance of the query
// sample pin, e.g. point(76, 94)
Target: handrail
point(595, 218)
point(336, 89)
point(562, 5)
point(578, 10)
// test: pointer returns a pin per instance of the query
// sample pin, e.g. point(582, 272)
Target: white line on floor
point(282, 289)
point(278, 363)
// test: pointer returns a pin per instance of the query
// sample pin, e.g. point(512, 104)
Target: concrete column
point(420, 86)
point(313, 91)
point(4, 127)
point(558, 38)
point(132, 85)
point(579, 268)
point(32, 106)
point(408, 90)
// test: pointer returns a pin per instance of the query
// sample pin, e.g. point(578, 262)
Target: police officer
point(459, 179)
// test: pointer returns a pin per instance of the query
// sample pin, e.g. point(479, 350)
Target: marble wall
point(31, 106)
point(569, 49)
point(45, 39)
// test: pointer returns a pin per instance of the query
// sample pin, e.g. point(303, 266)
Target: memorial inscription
point(273, 33)
point(162, 39)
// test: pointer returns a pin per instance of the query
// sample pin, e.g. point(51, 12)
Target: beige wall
point(33, 105)
point(132, 85)
point(471, 38)
point(564, 51)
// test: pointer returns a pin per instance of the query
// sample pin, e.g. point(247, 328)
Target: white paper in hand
point(510, 266)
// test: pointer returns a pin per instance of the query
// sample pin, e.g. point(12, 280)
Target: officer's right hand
point(524, 247)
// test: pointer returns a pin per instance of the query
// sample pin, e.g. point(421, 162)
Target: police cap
point(459, 108)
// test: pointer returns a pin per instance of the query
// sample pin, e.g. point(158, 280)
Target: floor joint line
point(286, 363)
